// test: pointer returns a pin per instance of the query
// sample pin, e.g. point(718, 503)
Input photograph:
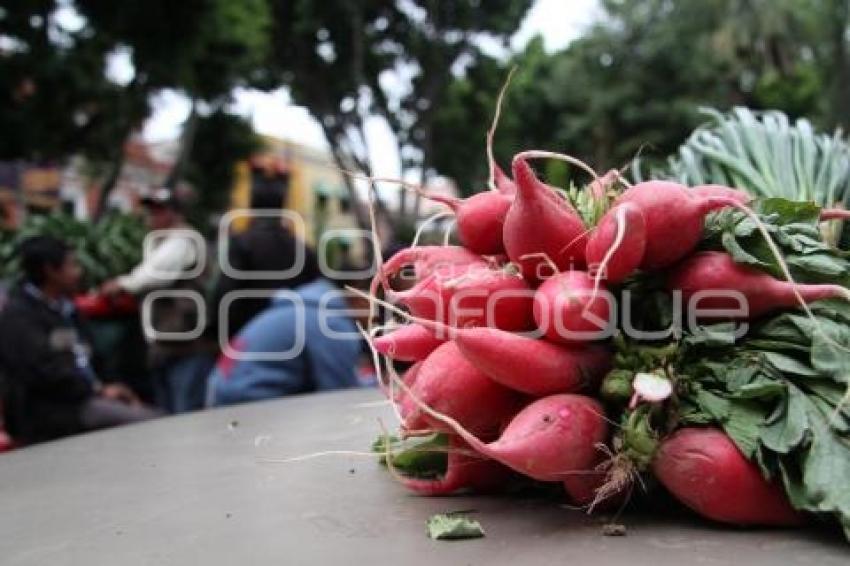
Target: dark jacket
point(43, 361)
point(265, 246)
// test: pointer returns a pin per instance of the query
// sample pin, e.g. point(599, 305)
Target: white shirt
point(172, 256)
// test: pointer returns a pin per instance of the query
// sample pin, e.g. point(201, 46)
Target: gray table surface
point(200, 490)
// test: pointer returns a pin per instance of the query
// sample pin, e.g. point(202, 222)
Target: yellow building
point(312, 185)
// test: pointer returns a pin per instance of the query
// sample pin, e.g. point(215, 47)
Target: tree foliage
point(635, 81)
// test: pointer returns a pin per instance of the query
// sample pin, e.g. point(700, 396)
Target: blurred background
point(100, 99)
point(217, 101)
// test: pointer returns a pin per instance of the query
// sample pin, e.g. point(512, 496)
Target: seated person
point(308, 324)
point(51, 388)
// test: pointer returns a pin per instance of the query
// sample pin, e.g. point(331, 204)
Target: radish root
point(425, 223)
point(620, 217)
point(448, 232)
point(491, 161)
point(540, 154)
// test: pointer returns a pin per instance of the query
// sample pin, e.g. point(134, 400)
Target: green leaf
point(826, 468)
point(743, 425)
point(788, 211)
point(425, 459)
point(787, 364)
point(453, 527)
point(788, 431)
point(714, 405)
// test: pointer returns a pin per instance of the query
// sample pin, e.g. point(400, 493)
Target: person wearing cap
point(179, 360)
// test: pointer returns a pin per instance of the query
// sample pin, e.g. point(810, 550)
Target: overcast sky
point(558, 21)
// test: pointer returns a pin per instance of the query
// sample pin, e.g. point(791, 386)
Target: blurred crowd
point(260, 322)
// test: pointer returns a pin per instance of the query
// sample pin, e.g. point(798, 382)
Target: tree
point(635, 81)
point(221, 140)
point(54, 97)
point(333, 56)
point(204, 48)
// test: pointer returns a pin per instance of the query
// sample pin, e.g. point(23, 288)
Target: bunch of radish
point(509, 337)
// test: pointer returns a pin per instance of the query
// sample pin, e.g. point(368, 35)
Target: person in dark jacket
point(50, 386)
point(267, 246)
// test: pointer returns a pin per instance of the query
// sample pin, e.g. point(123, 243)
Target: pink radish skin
point(408, 378)
point(762, 293)
point(504, 184)
point(674, 219)
point(743, 197)
point(540, 226)
point(425, 261)
point(704, 191)
point(582, 489)
point(599, 187)
point(548, 440)
point(834, 214)
point(480, 219)
point(465, 296)
point(534, 367)
point(613, 260)
point(451, 385)
point(704, 470)
point(568, 311)
point(409, 343)
point(463, 472)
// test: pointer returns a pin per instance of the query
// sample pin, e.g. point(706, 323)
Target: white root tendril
point(425, 223)
point(387, 388)
point(540, 154)
point(491, 160)
point(545, 257)
point(447, 235)
point(620, 217)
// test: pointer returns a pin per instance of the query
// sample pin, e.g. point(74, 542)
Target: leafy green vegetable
point(111, 247)
point(453, 527)
point(791, 414)
point(425, 459)
point(793, 227)
point(780, 392)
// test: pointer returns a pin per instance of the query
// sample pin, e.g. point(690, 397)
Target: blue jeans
point(181, 384)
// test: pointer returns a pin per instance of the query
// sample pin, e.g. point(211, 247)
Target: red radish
point(408, 378)
point(616, 247)
point(465, 470)
point(743, 197)
point(674, 219)
point(534, 367)
point(409, 343)
point(583, 490)
point(479, 217)
point(428, 259)
point(704, 470)
point(759, 292)
point(720, 191)
point(541, 231)
point(548, 440)
point(834, 214)
point(450, 384)
point(471, 296)
point(599, 187)
point(504, 184)
point(568, 310)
